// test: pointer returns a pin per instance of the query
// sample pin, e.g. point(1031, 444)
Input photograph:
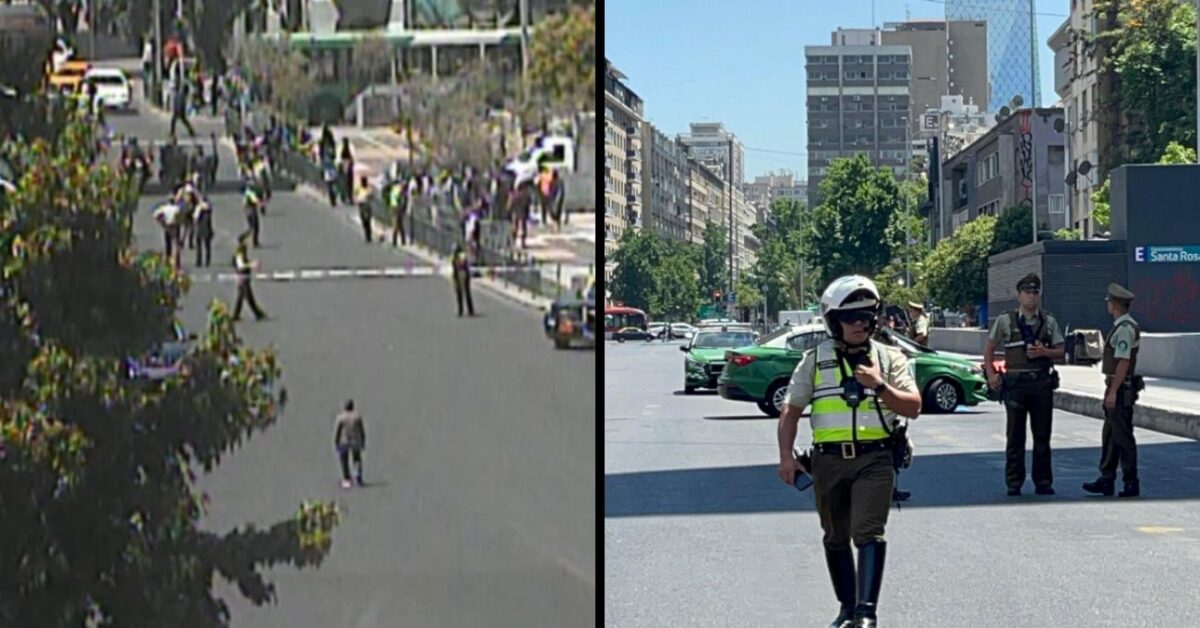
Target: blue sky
point(700, 60)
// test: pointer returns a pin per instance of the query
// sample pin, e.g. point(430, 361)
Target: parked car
point(571, 321)
point(632, 333)
point(760, 374)
point(705, 357)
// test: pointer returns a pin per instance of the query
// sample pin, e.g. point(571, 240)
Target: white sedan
point(112, 88)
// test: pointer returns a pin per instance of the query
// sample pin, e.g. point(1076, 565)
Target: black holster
point(901, 448)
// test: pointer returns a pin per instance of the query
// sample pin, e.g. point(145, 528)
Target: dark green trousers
point(853, 496)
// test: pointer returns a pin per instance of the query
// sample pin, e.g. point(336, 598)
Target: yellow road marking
point(1158, 530)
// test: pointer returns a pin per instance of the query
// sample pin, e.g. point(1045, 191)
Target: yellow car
point(69, 76)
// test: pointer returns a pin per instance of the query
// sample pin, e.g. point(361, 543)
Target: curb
point(1173, 422)
point(494, 286)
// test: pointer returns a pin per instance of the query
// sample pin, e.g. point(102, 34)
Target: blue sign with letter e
point(1166, 254)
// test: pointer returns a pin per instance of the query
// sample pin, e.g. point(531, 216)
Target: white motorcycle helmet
point(852, 292)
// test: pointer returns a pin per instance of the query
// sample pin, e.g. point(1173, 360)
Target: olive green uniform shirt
point(1001, 328)
point(1123, 340)
point(921, 326)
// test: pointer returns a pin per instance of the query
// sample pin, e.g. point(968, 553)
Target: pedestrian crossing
point(325, 274)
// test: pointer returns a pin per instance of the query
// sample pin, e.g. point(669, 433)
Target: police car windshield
point(723, 339)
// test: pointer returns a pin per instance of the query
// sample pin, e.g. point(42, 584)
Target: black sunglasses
point(856, 316)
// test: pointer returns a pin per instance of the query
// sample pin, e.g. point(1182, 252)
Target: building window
point(901, 74)
point(1057, 204)
point(885, 76)
point(884, 59)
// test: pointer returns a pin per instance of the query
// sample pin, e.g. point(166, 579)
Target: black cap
point(1030, 281)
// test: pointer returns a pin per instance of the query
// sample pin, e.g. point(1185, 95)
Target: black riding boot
point(870, 580)
point(841, 572)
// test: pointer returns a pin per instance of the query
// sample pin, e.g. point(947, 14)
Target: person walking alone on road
point(350, 438)
point(363, 200)
point(346, 171)
point(1122, 385)
point(204, 233)
point(857, 389)
point(462, 279)
point(179, 106)
point(398, 203)
point(245, 268)
point(1031, 341)
point(252, 207)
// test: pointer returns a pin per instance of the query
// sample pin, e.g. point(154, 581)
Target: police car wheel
point(772, 405)
point(942, 395)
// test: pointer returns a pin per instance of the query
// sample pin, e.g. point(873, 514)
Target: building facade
point(1075, 82)
point(623, 119)
point(764, 190)
point(1018, 160)
point(948, 59)
point(710, 143)
point(707, 200)
point(1012, 55)
point(858, 101)
point(666, 185)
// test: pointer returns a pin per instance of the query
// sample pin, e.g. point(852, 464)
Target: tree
point(1147, 62)
point(281, 75)
point(778, 270)
point(956, 270)
point(449, 116)
point(1067, 234)
point(372, 58)
point(853, 230)
point(714, 255)
point(747, 295)
point(675, 295)
point(1174, 153)
point(562, 59)
point(1013, 228)
point(639, 253)
point(100, 516)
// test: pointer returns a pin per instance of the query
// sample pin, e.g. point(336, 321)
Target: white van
point(555, 151)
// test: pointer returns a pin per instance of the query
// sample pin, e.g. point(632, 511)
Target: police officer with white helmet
point(857, 387)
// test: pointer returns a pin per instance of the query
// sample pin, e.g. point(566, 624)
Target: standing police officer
point(856, 388)
point(462, 279)
point(1031, 341)
point(1118, 365)
point(919, 332)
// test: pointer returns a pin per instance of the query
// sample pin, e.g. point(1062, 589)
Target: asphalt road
point(480, 457)
point(699, 531)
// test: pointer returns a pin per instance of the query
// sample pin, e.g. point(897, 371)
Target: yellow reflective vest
point(833, 420)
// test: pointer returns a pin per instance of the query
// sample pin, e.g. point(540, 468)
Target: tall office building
point(858, 100)
point(948, 59)
point(1011, 49)
point(623, 119)
point(667, 181)
point(710, 143)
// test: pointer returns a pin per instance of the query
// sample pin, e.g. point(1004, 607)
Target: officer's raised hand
point(868, 375)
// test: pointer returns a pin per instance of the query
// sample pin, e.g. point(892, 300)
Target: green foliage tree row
point(99, 511)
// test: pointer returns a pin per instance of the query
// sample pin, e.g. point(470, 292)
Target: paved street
point(480, 502)
point(700, 532)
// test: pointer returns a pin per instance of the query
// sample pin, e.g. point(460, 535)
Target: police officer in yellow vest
point(857, 387)
point(1032, 341)
point(1121, 391)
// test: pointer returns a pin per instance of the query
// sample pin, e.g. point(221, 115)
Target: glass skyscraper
point(1012, 55)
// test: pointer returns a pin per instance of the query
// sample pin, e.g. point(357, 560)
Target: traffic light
point(716, 295)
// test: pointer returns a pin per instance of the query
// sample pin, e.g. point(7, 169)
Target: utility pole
point(158, 55)
point(729, 176)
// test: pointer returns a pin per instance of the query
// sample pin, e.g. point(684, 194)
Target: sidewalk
point(375, 149)
point(1171, 406)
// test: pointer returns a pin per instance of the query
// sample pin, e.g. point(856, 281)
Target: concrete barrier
point(957, 340)
point(1174, 356)
point(1162, 420)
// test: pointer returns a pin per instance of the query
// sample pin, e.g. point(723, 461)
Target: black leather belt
point(850, 450)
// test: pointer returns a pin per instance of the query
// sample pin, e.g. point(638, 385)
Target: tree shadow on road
point(1169, 471)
